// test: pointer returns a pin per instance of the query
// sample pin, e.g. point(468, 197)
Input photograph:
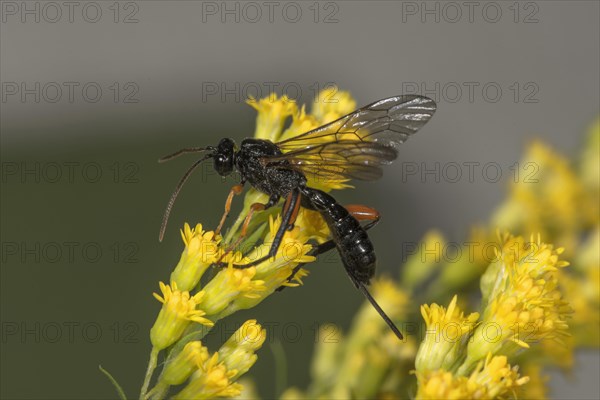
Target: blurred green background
point(80, 176)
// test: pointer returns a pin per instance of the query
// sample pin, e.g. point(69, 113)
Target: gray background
point(165, 60)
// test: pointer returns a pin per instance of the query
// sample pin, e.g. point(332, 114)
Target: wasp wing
point(358, 144)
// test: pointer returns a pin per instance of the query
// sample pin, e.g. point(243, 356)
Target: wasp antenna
point(184, 178)
point(387, 319)
point(183, 151)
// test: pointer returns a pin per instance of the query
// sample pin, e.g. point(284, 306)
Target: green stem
point(280, 367)
point(467, 366)
point(158, 392)
point(231, 232)
point(149, 372)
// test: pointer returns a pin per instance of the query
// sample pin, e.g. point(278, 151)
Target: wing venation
point(355, 146)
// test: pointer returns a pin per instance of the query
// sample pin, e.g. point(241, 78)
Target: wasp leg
point(288, 217)
point(253, 208)
point(237, 189)
point(364, 213)
point(361, 213)
point(295, 210)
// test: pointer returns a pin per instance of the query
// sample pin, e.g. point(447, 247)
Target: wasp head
point(224, 156)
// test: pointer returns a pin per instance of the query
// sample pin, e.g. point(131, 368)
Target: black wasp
point(352, 147)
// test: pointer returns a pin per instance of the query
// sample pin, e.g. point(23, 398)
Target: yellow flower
point(328, 182)
point(238, 352)
point(331, 104)
point(448, 331)
point(546, 197)
point(249, 391)
point(301, 123)
point(178, 310)
point(293, 248)
point(177, 370)
point(441, 384)
point(228, 285)
point(491, 379)
point(235, 288)
point(312, 226)
point(213, 379)
point(497, 376)
point(523, 302)
point(201, 250)
point(184, 364)
point(273, 111)
point(292, 251)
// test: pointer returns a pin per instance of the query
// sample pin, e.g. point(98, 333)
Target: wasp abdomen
point(352, 242)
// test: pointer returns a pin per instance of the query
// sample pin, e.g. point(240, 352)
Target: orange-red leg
point(237, 189)
point(295, 211)
point(260, 207)
point(253, 208)
point(290, 207)
point(363, 213)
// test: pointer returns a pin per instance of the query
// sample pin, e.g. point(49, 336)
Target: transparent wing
point(358, 144)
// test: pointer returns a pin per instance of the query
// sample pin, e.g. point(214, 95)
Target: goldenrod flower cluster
point(521, 306)
point(446, 336)
point(491, 379)
point(532, 314)
point(369, 358)
point(191, 305)
point(206, 376)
